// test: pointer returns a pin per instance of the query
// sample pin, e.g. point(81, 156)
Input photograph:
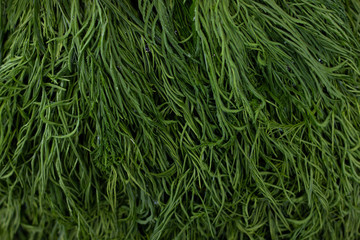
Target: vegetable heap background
point(177, 119)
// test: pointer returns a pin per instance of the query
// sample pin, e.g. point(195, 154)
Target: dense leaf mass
point(179, 119)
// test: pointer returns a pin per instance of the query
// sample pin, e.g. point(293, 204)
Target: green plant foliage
point(178, 119)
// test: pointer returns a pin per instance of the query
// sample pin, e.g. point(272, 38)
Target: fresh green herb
point(180, 119)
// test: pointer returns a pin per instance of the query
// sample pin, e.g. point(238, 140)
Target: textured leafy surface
point(169, 119)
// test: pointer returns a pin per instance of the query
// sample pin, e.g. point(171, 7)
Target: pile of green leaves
point(178, 119)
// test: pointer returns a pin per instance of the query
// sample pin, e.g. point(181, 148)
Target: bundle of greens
point(180, 119)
